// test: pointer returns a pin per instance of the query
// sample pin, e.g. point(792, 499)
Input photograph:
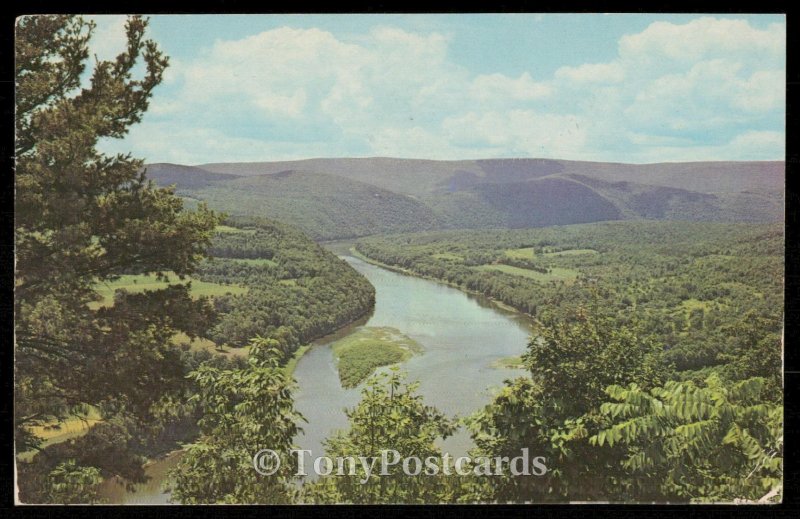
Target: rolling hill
point(185, 177)
point(415, 176)
point(325, 206)
point(344, 198)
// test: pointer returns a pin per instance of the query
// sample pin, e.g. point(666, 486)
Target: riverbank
point(408, 272)
point(113, 490)
point(292, 364)
point(152, 492)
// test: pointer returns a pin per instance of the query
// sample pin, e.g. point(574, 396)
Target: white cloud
point(702, 39)
point(522, 132)
point(410, 142)
point(593, 73)
point(759, 143)
point(710, 94)
point(750, 145)
point(498, 86)
point(272, 72)
point(763, 91)
point(282, 105)
point(674, 92)
point(177, 143)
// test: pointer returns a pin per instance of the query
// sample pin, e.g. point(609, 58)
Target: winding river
point(462, 335)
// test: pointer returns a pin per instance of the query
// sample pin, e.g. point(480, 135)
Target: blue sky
point(625, 88)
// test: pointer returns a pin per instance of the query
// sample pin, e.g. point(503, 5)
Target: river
point(462, 335)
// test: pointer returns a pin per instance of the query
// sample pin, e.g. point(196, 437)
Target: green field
point(67, 429)
point(555, 274)
point(200, 343)
point(528, 253)
point(228, 228)
point(359, 354)
point(691, 304)
point(142, 282)
point(571, 252)
point(524, 253)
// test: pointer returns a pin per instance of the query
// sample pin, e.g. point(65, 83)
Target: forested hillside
point(416, 176)
point(654, 372)
point(695, 286)
point(185, 177)
point(345, 198)
point(296, 289)
point(323, 206)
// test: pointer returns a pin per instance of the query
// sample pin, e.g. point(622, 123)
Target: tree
point(575, 360)
point(714, 443)
point(756, 350)
point(82, 218)
point(390, 416)
point(242, 412)
point(554, 412)
point(71, 484)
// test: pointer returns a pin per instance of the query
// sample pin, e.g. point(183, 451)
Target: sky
point(637, 88)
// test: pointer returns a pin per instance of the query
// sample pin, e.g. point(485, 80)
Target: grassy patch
point(72, 427)
point(228, 228)
point(360, 353)
point(691, 304)
point(571, 252)
point(142, 282)
point(555, 274)
point(514, 362)
point(525, 253)
point(292, 364)
point(67, 429)
point(199, 343)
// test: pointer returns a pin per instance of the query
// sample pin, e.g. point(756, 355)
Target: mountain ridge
point(345, 198)
point(686, 175)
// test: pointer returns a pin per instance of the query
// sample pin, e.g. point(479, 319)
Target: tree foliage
point(242, 412)
point(297, 290)
point(69, 483)
point(554, 411)
point(82, 217)
point(708, 292)
point(390, 416)
point(716, 443)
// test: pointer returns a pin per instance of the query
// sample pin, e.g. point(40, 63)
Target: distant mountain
point(414, 176)
point(325, 206)
point(410, 176)
point(546, 201)
point(185, 177)
point(341, 198)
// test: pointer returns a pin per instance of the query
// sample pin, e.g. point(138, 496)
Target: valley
point(198, 305)
point(448, 272)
